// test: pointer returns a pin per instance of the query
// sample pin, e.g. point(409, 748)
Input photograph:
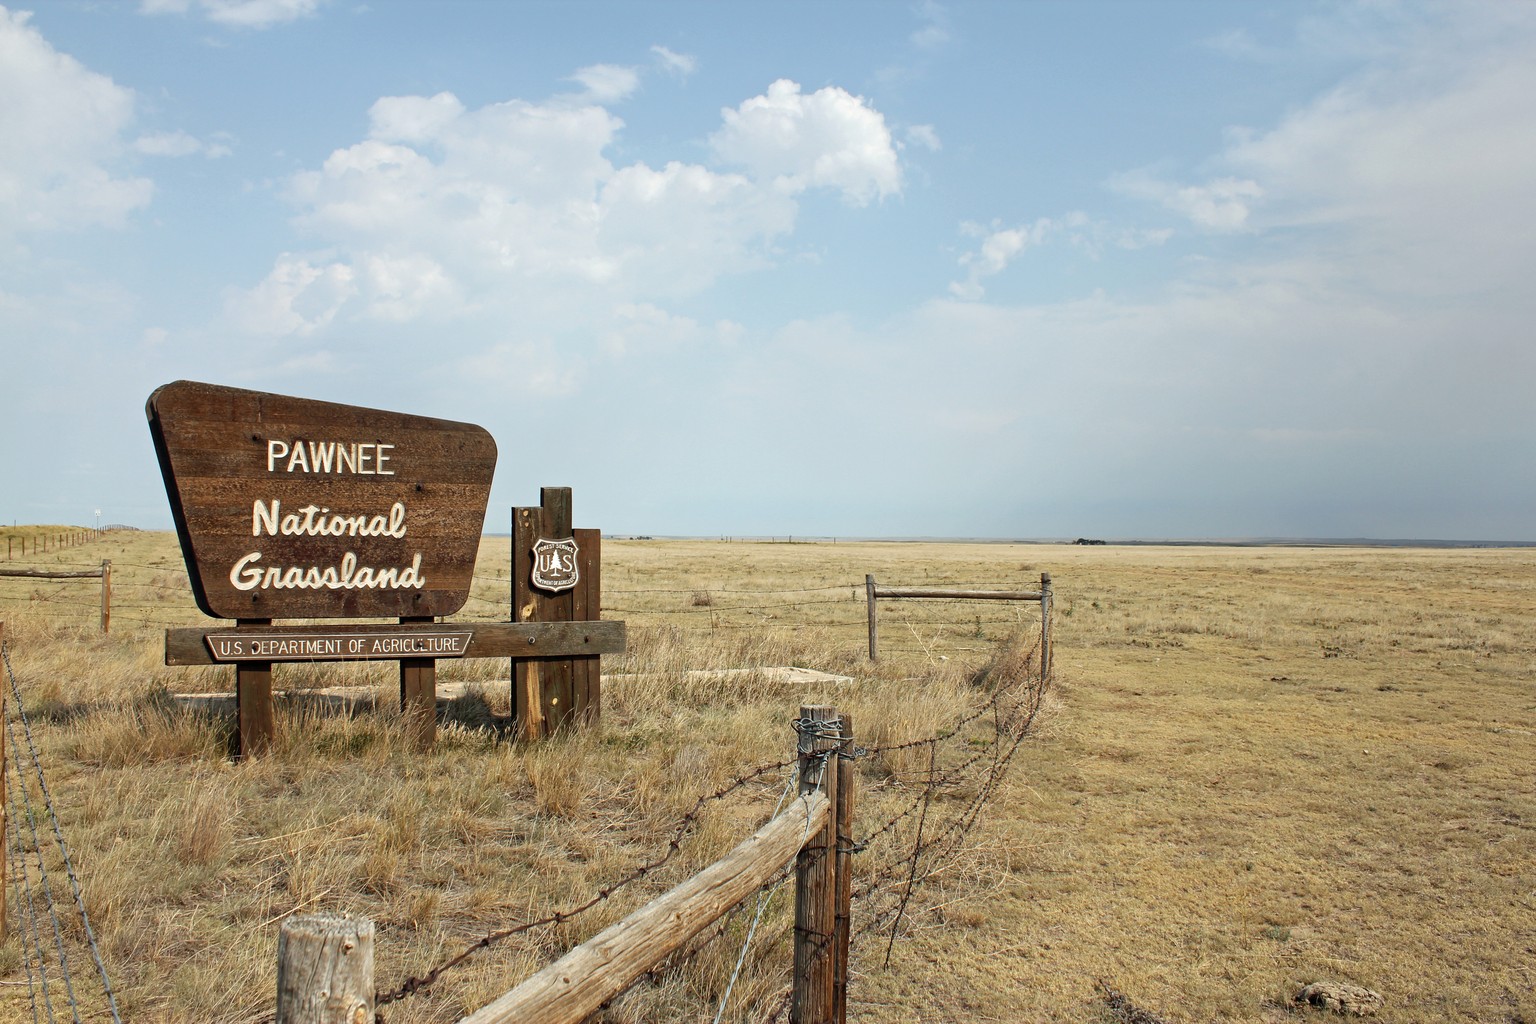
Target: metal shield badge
point(554, 565)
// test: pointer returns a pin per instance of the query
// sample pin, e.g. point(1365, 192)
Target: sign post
point(556, 577)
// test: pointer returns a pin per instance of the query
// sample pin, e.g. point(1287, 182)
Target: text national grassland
point(1256, 768)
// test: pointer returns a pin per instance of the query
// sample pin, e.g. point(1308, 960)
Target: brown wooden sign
point(338, 645)
point(293, 508)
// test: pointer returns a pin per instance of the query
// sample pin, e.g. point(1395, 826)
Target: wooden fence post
point(869, 591)
point(325, 970)
point(1045, 626)
point(106, 594)
point(815, 873)
point(844, 815)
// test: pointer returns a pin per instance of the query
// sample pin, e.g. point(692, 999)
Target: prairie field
point(1253, 768)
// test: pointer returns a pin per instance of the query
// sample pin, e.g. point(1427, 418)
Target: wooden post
point(106, 595)
point(527, 683)
point(253, 700)
point(844, 916)
point(1045, 626)
point(815, 873)
point(325, 970)
point(587, 606)
point(869, 591)
point(418, 695)
point(551, 693)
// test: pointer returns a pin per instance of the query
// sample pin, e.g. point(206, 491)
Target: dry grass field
point(1255, 768)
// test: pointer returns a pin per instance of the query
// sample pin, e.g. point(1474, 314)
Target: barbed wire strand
point(20, 879)
point(416, 984)
point(69, 867)
point(42, 874)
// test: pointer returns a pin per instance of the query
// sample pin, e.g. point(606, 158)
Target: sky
point(1019, 270)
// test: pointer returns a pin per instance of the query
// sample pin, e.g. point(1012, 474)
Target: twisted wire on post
point(58, 833)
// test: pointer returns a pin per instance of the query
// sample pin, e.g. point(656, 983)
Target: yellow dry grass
point(1259, 768)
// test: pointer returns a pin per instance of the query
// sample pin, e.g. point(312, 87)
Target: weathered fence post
point(815, 873)
point(106, 594)
point(843, 927)
point(1045, 626)
point(325, 970)
point(869, 591)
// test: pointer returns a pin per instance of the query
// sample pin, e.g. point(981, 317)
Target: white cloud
point(532, 368)
point(444, 210)
point(178, 143)
point(298, 298)
point(934, 31)
point(606, 83)
point(257, 14)
point(999, 246)
point(680, 64)
point(1425, 171)
point(924, 135)
point(413, 119)
point(1220, 205)
point(828, 139)
point(63, 128)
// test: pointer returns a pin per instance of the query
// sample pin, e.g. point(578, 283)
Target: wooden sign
point(391, 645)
point(292, 508)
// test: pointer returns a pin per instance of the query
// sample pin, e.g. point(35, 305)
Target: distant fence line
point(42, 543)
point(165, 600)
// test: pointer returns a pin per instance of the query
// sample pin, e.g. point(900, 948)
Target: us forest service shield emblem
point(554, 565)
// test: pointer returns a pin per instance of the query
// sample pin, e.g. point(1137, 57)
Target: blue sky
point(854, 269)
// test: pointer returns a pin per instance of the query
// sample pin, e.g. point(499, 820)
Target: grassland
point(1260, 767)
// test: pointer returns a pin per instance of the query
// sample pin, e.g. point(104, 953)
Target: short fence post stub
point(815, 873)
point(846, 770)
point(325, 970)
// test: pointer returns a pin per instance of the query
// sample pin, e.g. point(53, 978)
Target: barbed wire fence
point(930, 792)
point(55, 934)
point(940, 785)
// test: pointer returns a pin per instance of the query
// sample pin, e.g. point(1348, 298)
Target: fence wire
point(963, 766)
point(41, 860)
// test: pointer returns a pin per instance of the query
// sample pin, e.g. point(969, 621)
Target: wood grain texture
point(325, 970)
point(214, 452)
point(958, 595)
point(532, 640)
